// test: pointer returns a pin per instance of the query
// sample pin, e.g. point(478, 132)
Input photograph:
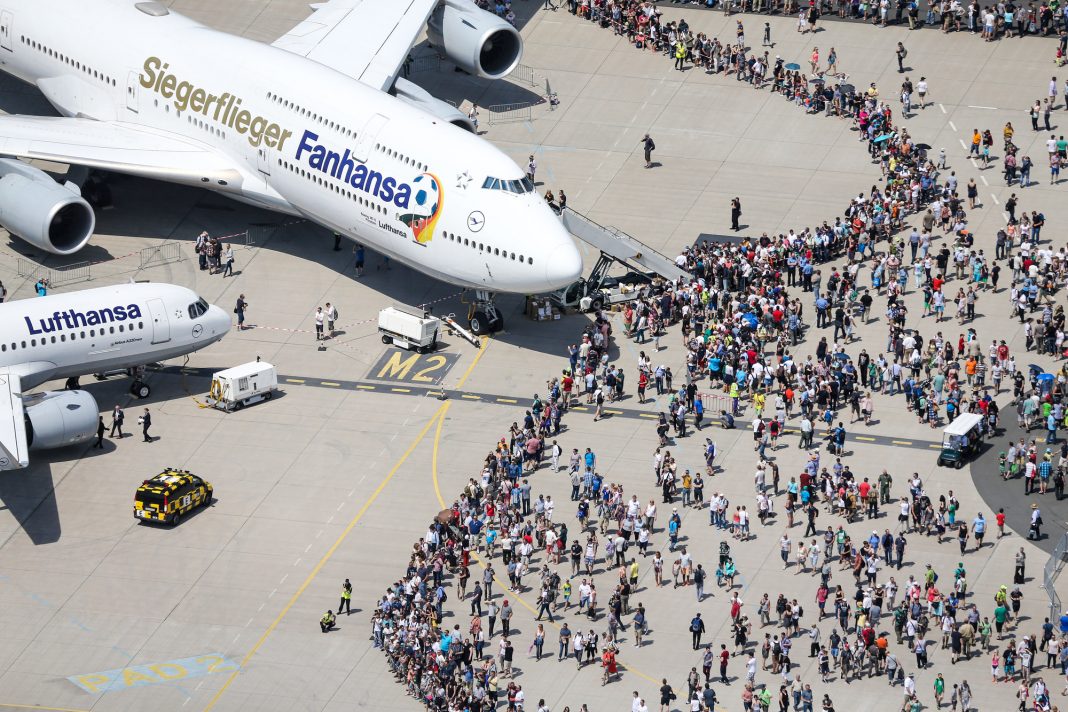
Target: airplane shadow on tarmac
point(29, 495)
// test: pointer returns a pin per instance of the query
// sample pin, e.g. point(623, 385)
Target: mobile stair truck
point(617, 248)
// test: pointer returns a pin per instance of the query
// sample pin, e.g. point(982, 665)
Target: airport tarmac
point(333, 481)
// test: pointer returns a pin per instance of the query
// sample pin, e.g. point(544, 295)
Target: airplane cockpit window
point(198, 308)
point(519, 187)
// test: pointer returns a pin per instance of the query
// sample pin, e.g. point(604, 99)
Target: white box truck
point(409, 328)
point(243, 385)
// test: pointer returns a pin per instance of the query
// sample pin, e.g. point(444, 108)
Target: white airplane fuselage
point(93, 330)
point(306, 140)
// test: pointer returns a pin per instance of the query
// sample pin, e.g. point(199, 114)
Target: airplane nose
point(564, 266)
point(219, 320)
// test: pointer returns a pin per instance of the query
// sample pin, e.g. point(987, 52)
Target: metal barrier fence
point(523, 75)
point(716, 402)
point(508, 113)
point(426, 63)
point(68, 274)
point(1057, 559)
point(55, 276)
point(161, 254)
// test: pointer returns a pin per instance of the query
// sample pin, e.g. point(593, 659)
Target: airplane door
point(161, 325)
point(5, 29)
point(366, 140)
point(263, 161)
point(133, 91)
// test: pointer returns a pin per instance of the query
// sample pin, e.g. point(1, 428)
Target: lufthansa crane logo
point(476, 221)
point(198, 329)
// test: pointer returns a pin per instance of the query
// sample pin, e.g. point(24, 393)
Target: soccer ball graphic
point(426, 194)
point(424, 208)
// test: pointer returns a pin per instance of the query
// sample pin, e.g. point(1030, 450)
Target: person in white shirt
point(921, 91)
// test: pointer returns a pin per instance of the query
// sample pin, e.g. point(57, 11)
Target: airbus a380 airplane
point(77, 333)
point(317, 124)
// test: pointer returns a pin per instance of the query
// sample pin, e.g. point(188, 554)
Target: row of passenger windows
point(205, 125)
point(345, 131)
point(481, 247)
point(286, 103)
point(67, 60)
point(511, 186)
point(73, 336)
point(400, 157)
point(333, 185)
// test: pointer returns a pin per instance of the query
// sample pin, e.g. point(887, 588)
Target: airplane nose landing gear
point(483, 314)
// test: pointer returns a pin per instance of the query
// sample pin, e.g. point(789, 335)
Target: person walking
point(100, 430)
point(240, 308)
point(117, 416)
point(146, 423)
point(319, 319)
point(697, 629)
point(360, 254)
point(736, 212)
point(228, 260)
point(346, 599)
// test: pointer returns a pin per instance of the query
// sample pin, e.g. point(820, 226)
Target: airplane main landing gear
point(483, 314)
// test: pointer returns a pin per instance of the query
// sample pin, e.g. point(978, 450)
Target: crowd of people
point(740, 316)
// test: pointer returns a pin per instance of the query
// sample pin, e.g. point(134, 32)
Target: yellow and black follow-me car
point(169, 495)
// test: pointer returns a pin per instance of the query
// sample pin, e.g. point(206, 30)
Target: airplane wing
point(113, 146)
point(367, 40)
point(14, 453)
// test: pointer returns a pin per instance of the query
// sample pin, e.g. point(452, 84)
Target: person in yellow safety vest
point(734, 398)
point(680, 54)
point(346, 599)
point(327, 621)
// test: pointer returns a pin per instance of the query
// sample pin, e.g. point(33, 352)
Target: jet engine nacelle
point(59, 418)
point(418, 97)
point(478, 42)
point(42, 212)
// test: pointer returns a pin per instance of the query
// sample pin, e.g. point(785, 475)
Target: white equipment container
point(243, 385)
point(408, 328)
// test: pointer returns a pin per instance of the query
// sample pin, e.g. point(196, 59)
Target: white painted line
point(236, 637)
point(340, 506)
point(186, 701)
point(283, 579)
point(273, 591)
point(199, 685)
point(362, 478)
point(249, 623)
point(297, 562)
point(330, 519)
point(990, 108)
point(261, 606)
point(352, 492)
point(952, 126)
point(996, 201)
point(307, 548)
point(319, 534)
point(1006, 216)
point(962, 145)
point(942, 108)
point(983, 178)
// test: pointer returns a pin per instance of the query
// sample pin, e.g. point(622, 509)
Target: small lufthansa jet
point(89, 331)
point(318, 124)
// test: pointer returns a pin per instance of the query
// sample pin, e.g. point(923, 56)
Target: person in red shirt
point(1000, 518)
point(724, 657)
point(864, 488)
